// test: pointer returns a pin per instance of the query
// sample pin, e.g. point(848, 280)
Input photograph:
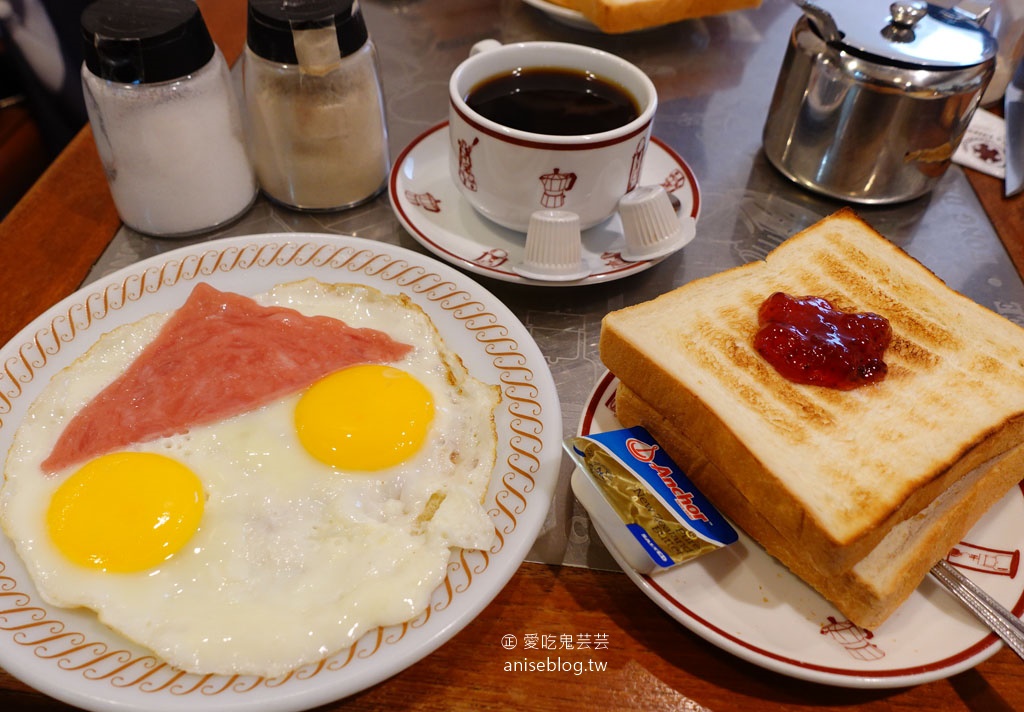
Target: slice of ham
point(219, 355)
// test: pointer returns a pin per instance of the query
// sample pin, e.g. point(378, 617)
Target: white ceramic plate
point(565, 15)
point(69, 655)
point(428, 204)
point(745, 602)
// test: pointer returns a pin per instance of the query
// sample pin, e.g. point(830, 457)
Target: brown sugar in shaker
point(314, 105)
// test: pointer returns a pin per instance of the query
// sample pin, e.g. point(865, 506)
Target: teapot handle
point(822, 21)
point(977, 10)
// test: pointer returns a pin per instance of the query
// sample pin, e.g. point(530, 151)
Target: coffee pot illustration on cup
point(466, 163)
point(636, 165)
point(556, 185)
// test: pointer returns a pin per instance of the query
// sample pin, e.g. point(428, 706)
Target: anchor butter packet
point(639, 498)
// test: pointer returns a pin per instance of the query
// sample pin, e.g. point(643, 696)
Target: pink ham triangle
point(219, 355)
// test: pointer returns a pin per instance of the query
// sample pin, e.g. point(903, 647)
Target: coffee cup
point(558, 150)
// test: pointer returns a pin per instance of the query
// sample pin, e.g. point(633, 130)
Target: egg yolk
point(125, 512)
point(365, 417)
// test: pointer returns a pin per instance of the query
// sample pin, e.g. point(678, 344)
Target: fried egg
point(274, 538)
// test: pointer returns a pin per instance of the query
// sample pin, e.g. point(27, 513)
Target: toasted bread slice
point(874, 587)
point(832, 471)
point(617, 16)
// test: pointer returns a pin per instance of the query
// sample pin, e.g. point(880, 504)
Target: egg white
point(293, 559)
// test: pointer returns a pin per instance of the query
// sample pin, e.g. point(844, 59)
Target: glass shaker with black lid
point(167, 123)
point(314, 104)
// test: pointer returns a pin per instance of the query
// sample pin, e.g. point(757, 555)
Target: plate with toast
point(747, 603)
point(846, 497)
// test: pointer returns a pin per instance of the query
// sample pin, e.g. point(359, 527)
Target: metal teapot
point(873, 98)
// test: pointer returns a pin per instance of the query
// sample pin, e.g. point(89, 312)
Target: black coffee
point(553, 101)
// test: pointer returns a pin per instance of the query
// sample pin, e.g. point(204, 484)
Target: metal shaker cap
point(129, 42)
point(271, 24)
point(911, 32)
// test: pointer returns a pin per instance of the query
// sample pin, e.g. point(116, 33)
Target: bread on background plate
point(826, 480)
point(618, 16)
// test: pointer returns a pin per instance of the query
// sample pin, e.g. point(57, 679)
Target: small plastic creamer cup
point(554, 248)
point(650, 224)
point(507, 174)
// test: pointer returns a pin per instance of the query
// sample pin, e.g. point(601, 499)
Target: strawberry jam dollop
point(809, 341)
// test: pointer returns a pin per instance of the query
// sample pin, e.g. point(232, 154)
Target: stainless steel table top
point(715, 78)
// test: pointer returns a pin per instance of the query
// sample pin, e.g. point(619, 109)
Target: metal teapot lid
point(908, 32)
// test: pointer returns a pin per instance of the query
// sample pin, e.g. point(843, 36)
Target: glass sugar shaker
point(314, 105)
point(167, 122)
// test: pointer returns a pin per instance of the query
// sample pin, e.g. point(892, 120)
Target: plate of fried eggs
point(263, 472)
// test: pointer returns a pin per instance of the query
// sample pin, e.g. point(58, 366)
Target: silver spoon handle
point(1002, 622)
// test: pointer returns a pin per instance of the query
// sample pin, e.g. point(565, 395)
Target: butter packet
point(655, 517)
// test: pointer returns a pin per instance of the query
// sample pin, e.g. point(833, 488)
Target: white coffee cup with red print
point(560, 150)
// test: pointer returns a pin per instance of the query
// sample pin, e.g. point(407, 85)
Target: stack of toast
point(858, 492)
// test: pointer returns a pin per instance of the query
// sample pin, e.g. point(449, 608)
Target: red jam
point(809, 341)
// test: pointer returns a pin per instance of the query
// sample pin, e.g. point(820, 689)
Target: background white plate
point(745, 602)
point(430, 207)
point(565, 15)
point(69, 655)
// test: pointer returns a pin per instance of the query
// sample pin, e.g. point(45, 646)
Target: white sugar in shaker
point(167, 122)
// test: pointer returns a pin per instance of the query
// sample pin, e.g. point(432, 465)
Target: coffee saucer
point(429, 205)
